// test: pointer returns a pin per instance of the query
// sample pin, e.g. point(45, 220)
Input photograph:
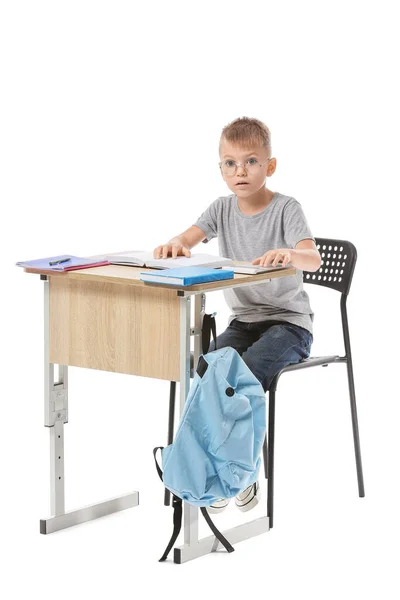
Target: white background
point(110, 118)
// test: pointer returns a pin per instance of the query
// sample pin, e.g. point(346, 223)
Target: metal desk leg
point(55, 416)
point(190, 513)
point(193, 547)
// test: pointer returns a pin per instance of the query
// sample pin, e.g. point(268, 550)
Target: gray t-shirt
point(281, 224)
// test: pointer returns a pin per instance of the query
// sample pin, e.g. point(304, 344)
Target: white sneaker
point(218, 506)
point(249, 498)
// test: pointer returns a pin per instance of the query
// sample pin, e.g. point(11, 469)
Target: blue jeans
point(266, 347)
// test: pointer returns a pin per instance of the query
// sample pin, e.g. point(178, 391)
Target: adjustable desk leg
point(55, 415)
point(190, 513)
point(193, 547)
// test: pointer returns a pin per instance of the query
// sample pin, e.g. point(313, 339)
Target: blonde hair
point(246, 132)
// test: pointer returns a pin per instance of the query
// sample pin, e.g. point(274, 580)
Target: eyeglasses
point(229, 166)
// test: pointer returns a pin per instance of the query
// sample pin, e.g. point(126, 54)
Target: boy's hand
point(173, 249)
point(274, 257)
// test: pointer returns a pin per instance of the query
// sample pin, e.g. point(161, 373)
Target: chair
point(338, 260)
point(336, 272)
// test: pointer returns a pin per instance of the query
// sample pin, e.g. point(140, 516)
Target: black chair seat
point(312, 361)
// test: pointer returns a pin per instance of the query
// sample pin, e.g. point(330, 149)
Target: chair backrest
point(338, 260)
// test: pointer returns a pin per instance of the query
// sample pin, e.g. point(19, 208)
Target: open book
point(250, 269)
point(145, 259)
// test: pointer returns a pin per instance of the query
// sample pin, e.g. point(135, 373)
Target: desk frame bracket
point(186, 293)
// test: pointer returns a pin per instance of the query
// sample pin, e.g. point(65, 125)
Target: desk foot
point(211, 544)
point(88, 513)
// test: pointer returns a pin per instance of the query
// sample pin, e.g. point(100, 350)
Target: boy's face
point(250, 178)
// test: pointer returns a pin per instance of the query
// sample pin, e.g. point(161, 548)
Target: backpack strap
point(177, 518)
point(215, 531)
point(160, 473)
point(208, 327)
point(176, 505)
point(177, 522)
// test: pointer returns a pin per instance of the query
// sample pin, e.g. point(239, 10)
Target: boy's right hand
point(172, 248)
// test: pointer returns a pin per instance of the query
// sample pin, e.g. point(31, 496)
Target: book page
point(131, 257)
point(249, 265)
point(195, 260)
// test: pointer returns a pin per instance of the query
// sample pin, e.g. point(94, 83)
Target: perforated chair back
point(338, 260)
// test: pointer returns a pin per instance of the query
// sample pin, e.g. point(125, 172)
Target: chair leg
point(171, 415)
point(271, 444)
point(356, 436)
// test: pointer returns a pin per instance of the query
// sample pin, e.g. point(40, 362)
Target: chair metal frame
point(338, 260)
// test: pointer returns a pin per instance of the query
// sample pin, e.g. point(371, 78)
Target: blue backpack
point(217, 447)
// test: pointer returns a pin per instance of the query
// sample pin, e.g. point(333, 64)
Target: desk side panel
point(115, 327)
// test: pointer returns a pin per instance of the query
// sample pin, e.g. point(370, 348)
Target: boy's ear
point(271, 167)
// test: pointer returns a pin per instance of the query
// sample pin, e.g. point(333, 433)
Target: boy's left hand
point(274, 257)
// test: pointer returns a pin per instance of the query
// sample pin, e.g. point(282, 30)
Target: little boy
point(271, 324)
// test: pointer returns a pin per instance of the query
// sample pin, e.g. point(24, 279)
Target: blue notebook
point(187, 275)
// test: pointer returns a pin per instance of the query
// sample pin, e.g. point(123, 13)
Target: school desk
point(106, 318)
